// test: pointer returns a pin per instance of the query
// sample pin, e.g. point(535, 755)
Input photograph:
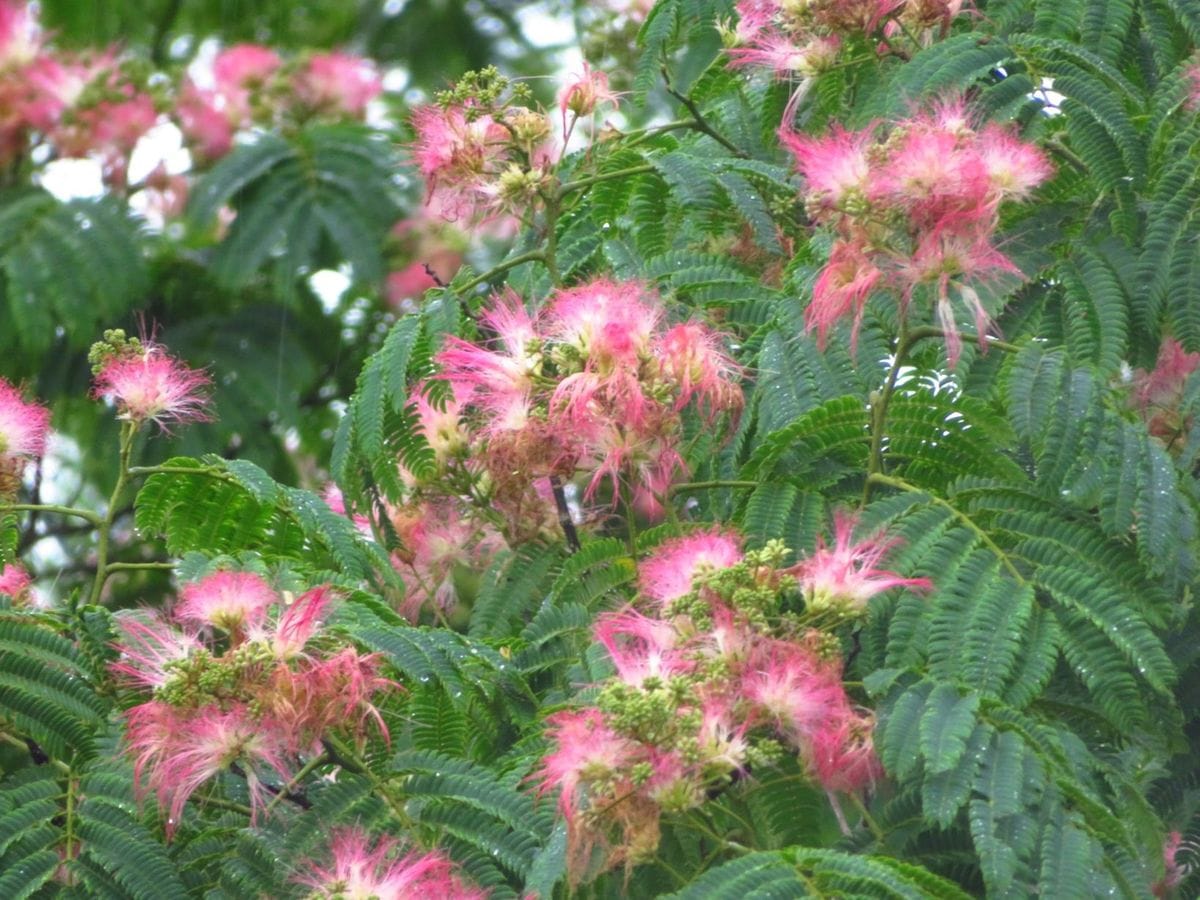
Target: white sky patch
point(72, 179)
point(161, 144)
point(329, 285)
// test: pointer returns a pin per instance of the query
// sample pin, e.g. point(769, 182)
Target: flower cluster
point(1158, 395)
point(79, 104)
point(481, 150)
point(914, 208)
point(593, 384)
point(252, 85)
point(145, 383)
point(715, 674)
point(23, 429)
point(384, 872)
point(237, 675)
point(804, 39)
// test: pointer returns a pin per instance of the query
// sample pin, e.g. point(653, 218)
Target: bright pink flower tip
point(154, 387)
point(844, 577)
point(360, 869)
point(14, 580)
point(585, 748)
point(234, 602)
point(23, 425)
point(667, 574)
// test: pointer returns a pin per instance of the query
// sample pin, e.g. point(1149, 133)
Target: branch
point(701, 124)
point(564, 514)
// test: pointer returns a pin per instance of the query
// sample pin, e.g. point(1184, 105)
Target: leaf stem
point(103, 534)
point(879, 406)
point(930, 331)
point(85, 514)
point(711, 485)
point(701, 124)
point(588, 181)
point(139, 567)
point(984, 537)
point(502, 267)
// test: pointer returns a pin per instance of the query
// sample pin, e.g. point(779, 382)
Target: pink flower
point(234, 602)
point(586, 749)
point(843, 577)
point(784, 54)
point(844, 285)
point(19, 39)
point(14, 580)
point(455, 153)
point(841, 753)
point(501, 374)
point(176, 751)
point(667, 574)
point(149, 647)
point(23, 425)
point(151, 386)
point(1158, 394)
point(338, 82)
point(382, 872)
point(932, 174)
point(324, 694)
point(836, 168)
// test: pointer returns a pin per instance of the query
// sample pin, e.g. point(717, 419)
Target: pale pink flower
point(1192, 81)
point(19, 34)
point(23, 425)
point(455, 153)
point(14, 580)
point(408, 283)
point(583, 94)
point(586, 749)
point(505, 372)
point(933, 174)
point(785, 54)
point(442, 427)
point(1014, 167)
point(149, 647)
point(843, 286)
point(381, 871)
point(668, 573)
point(722, 737)
point(243, 66)
point(176, 751)
point(841, 753)
point(234, 602)
point(152, 386)
point(793, 688)
point(640, 647)
point(609, 323)
point(836, 167)
point(324, 694)
point(844, 577)
point(339, 83)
